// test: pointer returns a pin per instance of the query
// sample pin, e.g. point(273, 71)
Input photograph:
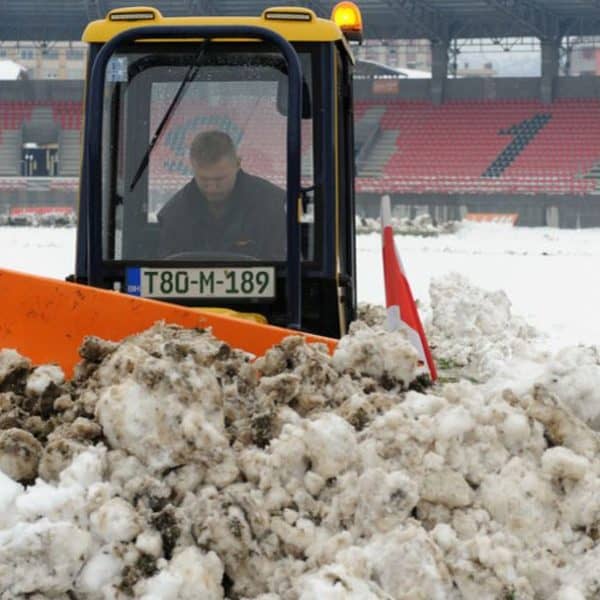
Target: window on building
point(74, 54)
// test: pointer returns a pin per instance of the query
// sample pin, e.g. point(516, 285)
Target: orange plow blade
point(47, 319)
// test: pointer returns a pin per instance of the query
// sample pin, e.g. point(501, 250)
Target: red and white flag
point(401, 308)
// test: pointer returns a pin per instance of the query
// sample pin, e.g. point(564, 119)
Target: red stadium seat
point(450, 148)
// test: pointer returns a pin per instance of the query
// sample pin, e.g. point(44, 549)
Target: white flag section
point(401, 308)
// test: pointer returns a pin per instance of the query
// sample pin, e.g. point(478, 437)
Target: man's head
point(215, 164)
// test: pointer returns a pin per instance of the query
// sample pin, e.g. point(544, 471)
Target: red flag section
point(401, 308)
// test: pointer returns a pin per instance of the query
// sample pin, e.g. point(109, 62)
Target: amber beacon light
point(347, 17)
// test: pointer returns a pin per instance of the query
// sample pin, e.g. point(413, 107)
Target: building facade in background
point(47, 60)
point(585, 60)
point(398, 54)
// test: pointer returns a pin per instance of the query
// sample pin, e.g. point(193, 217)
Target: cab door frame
point(93, 270)
point(337, 169)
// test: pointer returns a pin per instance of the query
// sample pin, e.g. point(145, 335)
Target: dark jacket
point(253, 223)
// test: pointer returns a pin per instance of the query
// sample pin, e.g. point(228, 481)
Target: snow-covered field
point(549, 275)
point(173, 467)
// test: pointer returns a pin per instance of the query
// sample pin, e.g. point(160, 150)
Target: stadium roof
point(402, 19)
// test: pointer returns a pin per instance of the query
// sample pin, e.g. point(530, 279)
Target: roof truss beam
point(437, 20)
point(96, 9)
point(431, 22)
point(201, 8)
point(321, 10)
point(542, 23)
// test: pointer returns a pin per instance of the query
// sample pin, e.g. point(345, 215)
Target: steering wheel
point(209, 255)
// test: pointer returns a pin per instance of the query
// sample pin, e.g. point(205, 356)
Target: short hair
point(208, 147)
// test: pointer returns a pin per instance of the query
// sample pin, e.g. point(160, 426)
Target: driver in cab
point(223, 212)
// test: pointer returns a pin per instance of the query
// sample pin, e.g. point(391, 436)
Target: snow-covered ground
point(548, 274)
point(174, 467)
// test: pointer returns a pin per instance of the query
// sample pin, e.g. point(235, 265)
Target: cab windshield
point(194, 153)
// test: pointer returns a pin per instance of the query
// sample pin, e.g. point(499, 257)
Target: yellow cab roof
point(293, 30)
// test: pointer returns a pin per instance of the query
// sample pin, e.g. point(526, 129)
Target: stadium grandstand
point(430, 136)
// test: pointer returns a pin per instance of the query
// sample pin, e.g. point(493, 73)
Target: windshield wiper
point(188, 78)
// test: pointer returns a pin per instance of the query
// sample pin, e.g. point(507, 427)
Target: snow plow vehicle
point(279, 86)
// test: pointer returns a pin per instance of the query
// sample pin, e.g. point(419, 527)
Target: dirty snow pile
point(173, 466)
point(422, 225)
point(475, 330)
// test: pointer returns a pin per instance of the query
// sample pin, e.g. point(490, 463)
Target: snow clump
point(474, 330)
point(173, 466)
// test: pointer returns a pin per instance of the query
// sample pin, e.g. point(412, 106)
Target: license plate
point(251, 282)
